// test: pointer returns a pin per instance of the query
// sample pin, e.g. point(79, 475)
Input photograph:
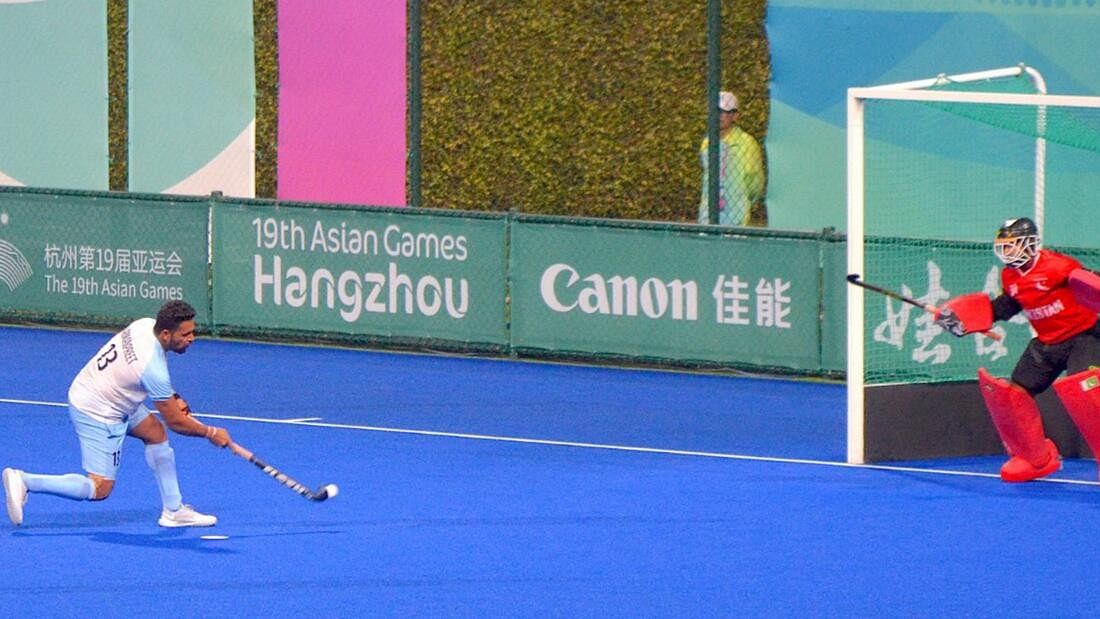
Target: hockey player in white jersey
point(107, 403)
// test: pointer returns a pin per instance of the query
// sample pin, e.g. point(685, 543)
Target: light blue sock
point(71, 486)
point(162, 459)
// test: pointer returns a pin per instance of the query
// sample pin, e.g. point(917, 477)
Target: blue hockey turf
point(489, 488)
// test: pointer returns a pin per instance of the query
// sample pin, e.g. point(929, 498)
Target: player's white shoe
point(17, 494)
point(186, 516)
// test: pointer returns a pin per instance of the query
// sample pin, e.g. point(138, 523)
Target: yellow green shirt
point(741, 182)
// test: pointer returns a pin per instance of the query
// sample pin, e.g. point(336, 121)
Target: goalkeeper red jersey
point(1045, 297)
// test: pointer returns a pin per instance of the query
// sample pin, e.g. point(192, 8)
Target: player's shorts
point(101, 443)
point(1041, 364)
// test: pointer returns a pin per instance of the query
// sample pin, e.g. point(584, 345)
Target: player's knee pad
point(1080, 394)
point(1016, 418)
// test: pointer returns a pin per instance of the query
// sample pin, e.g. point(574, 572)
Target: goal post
point(934, 167)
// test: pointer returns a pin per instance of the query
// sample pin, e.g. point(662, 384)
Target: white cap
point(727, 101)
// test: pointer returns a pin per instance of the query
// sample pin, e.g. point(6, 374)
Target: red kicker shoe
point(1017, 469)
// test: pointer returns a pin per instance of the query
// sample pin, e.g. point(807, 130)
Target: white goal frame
point(917, 91)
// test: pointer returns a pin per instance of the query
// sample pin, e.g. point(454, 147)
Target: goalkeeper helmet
point(1017, 242)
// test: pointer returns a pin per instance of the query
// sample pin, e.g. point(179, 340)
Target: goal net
point(934, 168)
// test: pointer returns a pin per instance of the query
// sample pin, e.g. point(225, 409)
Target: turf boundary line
point(316, 422)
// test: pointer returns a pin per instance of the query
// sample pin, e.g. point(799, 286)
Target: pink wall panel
point(342, 101)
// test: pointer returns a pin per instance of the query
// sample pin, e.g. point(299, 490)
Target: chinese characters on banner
point(933, 345)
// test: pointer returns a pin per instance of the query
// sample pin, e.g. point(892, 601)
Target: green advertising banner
point(368, 272)
point(834, 307)
point(101, 258)
point(531, 284)
point(664, 293)
point(902, 343)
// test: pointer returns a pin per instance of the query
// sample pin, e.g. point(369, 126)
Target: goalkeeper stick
point(324, 492)
point(853, 278)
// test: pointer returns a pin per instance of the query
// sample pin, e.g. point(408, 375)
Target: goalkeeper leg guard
point(1080, 394)
point(1016, 417)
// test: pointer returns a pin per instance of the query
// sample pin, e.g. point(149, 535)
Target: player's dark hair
point(173, 313)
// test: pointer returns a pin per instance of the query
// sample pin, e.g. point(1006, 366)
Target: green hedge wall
point(116, 94)
point(565, 107)
point(576, 107)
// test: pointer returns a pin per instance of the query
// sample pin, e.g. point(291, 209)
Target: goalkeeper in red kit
point(1059, 298)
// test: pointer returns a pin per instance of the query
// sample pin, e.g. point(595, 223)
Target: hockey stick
point(324, 492)
point(853, 278)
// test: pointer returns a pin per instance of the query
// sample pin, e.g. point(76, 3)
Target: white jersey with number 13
point(126, 370)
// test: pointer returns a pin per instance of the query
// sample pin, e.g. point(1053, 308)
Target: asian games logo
point(14, 267)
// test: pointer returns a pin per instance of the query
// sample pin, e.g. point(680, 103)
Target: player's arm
point(177, 416)
point(1005, 307)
